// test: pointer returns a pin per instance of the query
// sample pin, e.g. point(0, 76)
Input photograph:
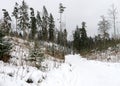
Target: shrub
point(4, 48)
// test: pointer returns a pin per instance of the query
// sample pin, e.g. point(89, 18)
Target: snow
point(18, 75)
point(8, 81)
point(74, 71)
point(77, 71)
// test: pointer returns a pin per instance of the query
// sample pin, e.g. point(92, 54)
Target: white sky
point(76, 11)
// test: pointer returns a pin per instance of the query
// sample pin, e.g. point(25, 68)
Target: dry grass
point(56, 54)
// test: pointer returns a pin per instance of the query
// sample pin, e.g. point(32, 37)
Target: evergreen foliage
point(33, 24)
point(38, 20)
point(76, 38)
point(4, 46)
point(45, 24)
point(80, 38)
point(42, 27)
point(65, 38)
point(51, 28)
point(23, 20)
point(6, 26)
point(38, 56)
point(39, 25)
point(15, 13)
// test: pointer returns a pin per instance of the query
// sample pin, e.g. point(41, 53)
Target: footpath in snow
point(77, 71)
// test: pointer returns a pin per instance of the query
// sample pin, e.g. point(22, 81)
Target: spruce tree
point(58, 37)
point(65, 37)
point(83, 39)
point(51, 28)
point(38, 20)
point(45, 24)
point(23, 20)
point(15, 13)
point(76, 39)
point(39, 25)
point(7, 21)
point(33, 24)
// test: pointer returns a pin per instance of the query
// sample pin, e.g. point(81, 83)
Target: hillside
point(24, 70)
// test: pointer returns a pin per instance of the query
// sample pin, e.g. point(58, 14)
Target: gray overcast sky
point(76, 11)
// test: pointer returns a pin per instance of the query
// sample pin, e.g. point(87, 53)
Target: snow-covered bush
point(37, 56)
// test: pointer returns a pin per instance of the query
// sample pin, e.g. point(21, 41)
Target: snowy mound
point(19, 75)
point(20, 50)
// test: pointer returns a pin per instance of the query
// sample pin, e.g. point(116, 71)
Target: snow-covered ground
point(76, 71)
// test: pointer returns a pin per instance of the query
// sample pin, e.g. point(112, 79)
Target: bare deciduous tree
point(104, 26)
point(113, 16)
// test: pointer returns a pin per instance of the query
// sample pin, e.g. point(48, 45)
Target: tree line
point(84, 44)
point(31, 26)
